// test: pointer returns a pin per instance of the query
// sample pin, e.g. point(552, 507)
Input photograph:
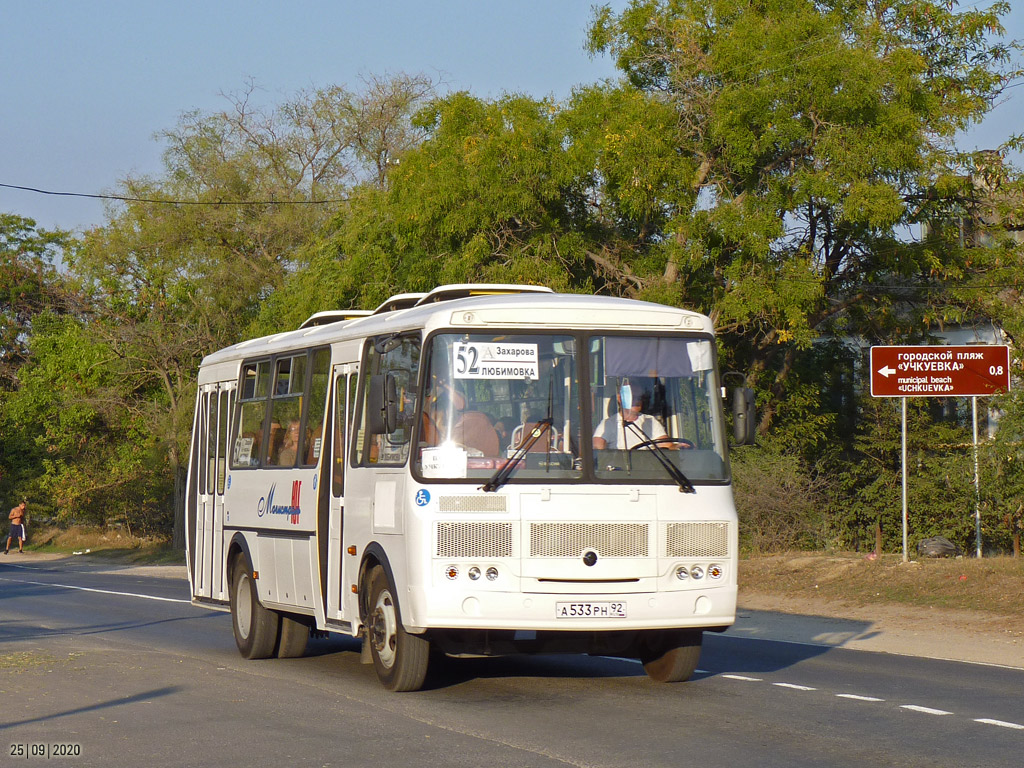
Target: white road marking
point(855, 697)
point(792, 686)
point(924, 710)
point(100, 591)
point(1000, 723)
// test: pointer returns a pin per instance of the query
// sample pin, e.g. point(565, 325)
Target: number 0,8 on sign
point(940, 371)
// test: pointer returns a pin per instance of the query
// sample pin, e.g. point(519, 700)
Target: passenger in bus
point(612, 432)
point(289, 446)
point(445, 419)
point(503, 436)
point(438, 404)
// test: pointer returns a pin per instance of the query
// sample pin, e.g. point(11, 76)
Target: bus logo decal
point(267, 506)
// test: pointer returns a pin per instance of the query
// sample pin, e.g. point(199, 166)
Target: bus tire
point(294, 636)
point(256, 628)
point(399, 659)
point(673, 658)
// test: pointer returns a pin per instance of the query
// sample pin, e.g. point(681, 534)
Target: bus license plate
point(601, 610)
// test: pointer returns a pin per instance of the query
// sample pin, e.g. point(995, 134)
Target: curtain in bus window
point(654, 357)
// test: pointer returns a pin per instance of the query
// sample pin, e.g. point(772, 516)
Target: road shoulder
point(971, 636)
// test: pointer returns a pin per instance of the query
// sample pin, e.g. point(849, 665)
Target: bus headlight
point(697, 572)
point(474, 573)
point(492, 574)
point(681, 573)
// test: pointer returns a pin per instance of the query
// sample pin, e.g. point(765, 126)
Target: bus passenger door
point(343, 381)
point(225, 405)
point(214, 409)
point(204, 497)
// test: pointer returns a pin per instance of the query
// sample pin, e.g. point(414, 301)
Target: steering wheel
point(673, 444)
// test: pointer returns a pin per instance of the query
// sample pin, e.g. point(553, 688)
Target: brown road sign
point(939, 371)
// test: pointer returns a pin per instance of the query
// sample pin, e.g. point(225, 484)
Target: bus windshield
point(489, 398)
point(484, 396)
point(656, 395)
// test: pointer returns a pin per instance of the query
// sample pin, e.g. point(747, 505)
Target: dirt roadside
point(964, 610)
point(937, 633)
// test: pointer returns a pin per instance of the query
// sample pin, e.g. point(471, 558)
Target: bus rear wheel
point(293, 639)
point(256, 628)
point(399, 659)
point(672, 658)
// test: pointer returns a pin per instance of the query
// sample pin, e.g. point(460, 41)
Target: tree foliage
point(788, 167)
point(819, 135)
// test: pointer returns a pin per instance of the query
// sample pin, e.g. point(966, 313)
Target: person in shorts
point(17, 517)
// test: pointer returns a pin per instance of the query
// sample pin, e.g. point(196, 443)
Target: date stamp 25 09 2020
point(46, 750)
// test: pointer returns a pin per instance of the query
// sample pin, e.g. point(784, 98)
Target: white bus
point(483, 469)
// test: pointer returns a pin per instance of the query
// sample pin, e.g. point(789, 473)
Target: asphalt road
point(119, 667)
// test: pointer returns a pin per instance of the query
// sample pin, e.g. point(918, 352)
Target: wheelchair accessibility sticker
point(422, 497)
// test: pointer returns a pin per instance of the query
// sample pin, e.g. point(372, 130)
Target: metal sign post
point(977, 481)
point(903, 462)
point(940, 371)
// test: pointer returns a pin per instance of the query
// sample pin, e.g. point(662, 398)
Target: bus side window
point(312, 435)
point(396, 359)
point(252, 411)
point(340, 420)
point(222, 439)
point(282, 449)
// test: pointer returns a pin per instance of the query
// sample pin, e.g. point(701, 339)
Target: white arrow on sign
point(887, 371)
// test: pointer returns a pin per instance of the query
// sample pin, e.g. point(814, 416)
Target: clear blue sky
point(84, 86)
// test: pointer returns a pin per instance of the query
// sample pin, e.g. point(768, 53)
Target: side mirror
point(744, 416)
point(382, 405)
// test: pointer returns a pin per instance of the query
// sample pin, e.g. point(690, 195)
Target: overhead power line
point(127, 199)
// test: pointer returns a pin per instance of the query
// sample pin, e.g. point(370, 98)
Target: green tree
point(816, 137)
point(489, 195)
point(183, 266)
point(29, 285)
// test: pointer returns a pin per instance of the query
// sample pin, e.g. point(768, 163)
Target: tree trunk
point(878, 537)
point(178, 536)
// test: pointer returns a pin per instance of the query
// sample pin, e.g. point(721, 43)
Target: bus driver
point(612, 432)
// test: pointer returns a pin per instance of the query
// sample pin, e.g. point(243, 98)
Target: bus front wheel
point(255, 627)
point(399, 659)
point(672, 658)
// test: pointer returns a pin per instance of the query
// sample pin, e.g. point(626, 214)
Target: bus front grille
point(696, 540)
point(573, 539)
point(466, 539)
point(476, 503)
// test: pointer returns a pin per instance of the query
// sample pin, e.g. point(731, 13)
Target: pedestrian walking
point(18, 517)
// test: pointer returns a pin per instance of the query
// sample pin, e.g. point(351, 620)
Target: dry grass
point(112, 544)
point(992, 584)
point(20, 661)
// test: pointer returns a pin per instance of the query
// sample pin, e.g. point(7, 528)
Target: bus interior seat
point(547, 442)
point(474, 430)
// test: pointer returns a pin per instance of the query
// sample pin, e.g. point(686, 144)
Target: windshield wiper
point(501, 476)
point(685, 486)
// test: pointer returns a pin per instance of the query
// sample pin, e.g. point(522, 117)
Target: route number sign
point(939, 371)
